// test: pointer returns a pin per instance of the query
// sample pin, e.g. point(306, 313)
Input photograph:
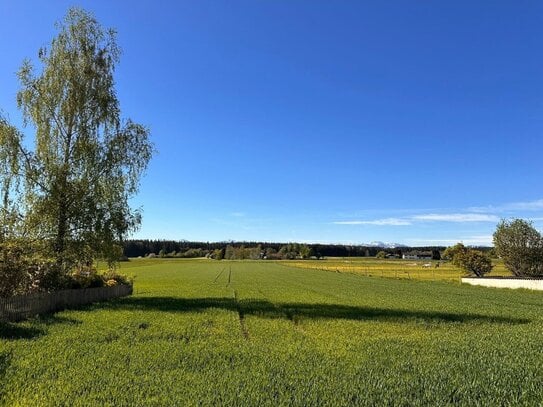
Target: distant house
point(392, 256)
point(417, 255)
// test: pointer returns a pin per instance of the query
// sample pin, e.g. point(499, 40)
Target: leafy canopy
point(72, 189)
point(472, 261)
point(520, 246)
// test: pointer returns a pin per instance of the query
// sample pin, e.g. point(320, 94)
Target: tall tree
point(86, 162)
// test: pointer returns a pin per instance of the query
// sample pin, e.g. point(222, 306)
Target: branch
point(30, 169)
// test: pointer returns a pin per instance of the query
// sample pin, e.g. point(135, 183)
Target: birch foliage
point(85, 163)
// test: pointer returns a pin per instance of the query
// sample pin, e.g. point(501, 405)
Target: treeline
point(219, 250)
point(257, 250)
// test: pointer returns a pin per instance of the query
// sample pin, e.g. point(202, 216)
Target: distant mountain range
point(386, 245)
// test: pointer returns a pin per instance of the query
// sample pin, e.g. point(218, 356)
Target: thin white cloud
point(527, 206)
point(456, 217)
point(484, 240)
point(237, 214)
point(431, 217)
point(377, 222)
point(490, 213)
point(511, 206)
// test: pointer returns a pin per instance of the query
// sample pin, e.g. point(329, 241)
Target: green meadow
point(203, 332)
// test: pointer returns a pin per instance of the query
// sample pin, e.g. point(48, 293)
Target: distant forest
point(256, 250)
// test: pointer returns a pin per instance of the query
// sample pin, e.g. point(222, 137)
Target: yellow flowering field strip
point(400, 269)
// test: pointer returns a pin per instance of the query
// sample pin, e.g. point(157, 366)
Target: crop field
point(203, 332)
point(401, 269)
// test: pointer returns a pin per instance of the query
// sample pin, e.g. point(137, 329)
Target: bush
point(90, 278)
point(472, 261)
point(22, 271)
point(86, 277)
point(452, 251)
point(520, 246)
point(192, 253)
point(117, 277)
point(13, 278)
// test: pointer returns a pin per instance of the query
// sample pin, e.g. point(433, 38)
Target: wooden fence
point(25, 306)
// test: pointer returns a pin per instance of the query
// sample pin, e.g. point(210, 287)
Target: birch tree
point(86, 161)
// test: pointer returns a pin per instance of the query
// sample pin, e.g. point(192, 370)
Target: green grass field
point(202, 332)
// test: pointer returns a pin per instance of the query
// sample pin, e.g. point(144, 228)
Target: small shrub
point(86, 277)
point(475, 262)
point(117, 277)
point(90, 278)
point(22, 271)
point(13, 278)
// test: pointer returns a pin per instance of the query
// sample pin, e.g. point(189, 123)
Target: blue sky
point(403, 121)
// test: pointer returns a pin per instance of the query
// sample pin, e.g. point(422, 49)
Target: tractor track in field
point(241, 316)
point(218, 275)
point(239, 308)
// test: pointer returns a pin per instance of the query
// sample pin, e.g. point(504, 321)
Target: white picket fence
point(25, 306)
